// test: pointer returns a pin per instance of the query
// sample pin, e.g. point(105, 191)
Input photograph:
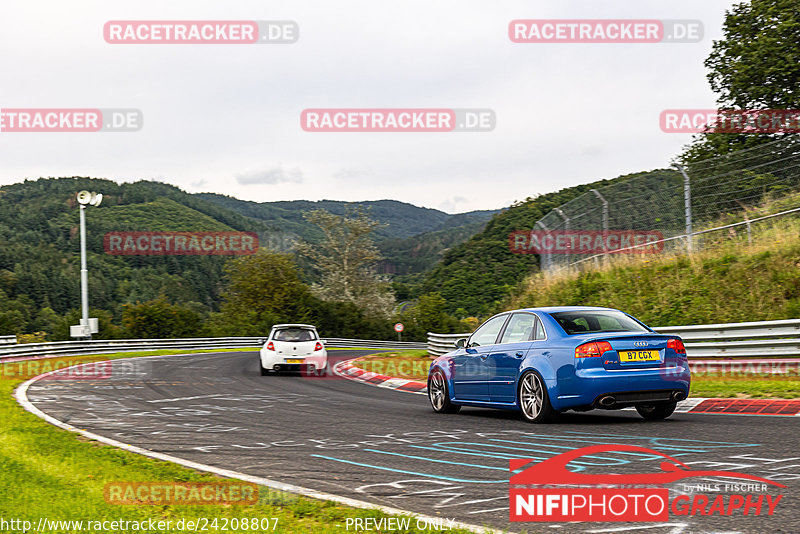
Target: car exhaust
point(607, 400)
point(678, 396)
point(277, 367)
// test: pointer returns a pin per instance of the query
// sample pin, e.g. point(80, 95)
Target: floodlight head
point(92, 199)
point(84, 197)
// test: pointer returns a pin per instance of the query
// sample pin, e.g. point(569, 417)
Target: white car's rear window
point(294, 335)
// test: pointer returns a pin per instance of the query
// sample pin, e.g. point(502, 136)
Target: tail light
point(678, 346)
point(270, 346)
point(592, 349)
point(318, 346)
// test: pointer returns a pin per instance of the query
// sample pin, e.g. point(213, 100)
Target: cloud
point(275, 175)
point(452, 205)
point(352, 173)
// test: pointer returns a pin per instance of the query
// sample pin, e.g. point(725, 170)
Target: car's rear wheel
point(655, 412)
point(438, 394)
point(264, 370)
point(534, 402)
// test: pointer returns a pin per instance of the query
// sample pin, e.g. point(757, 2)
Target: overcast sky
point(226, 118)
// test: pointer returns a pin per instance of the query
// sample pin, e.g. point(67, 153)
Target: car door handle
point(484, 356)
point(520, 354)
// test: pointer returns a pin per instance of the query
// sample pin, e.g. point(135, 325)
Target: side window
point(540, 333)
point(520, 328)
point(487, 333)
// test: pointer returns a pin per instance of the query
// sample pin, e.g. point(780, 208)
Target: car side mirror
point(262, 341)
point(461, 343)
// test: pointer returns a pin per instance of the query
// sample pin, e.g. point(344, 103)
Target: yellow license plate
point(294, 361)
point(639, 356)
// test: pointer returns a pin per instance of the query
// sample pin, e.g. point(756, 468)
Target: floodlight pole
point(84, 275)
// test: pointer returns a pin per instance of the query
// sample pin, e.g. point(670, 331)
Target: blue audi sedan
point(543, 361)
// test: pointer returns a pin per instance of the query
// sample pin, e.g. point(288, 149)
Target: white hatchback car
point(293, 347)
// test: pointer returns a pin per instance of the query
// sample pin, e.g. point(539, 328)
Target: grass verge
point(46, 472)
point(728, 279)
point(746, 387)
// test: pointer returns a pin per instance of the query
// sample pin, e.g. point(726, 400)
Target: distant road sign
point(398, 327)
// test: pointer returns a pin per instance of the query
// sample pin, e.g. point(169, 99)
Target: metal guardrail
point(66, 348)
point(762, 339)
point(8, 340)
point(439, 344)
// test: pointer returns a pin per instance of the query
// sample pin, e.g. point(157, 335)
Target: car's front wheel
point(534, 402)
point(656, 412)
point(438, 394)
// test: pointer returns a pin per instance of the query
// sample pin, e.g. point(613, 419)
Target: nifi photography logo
point(549, 492)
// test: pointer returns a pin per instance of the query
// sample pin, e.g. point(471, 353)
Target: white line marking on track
point(21, 395)
point(177, 399)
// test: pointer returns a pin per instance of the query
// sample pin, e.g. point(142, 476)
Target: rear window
point(590, 322)
point(294, 335)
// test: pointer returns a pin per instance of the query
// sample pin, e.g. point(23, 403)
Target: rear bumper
point(269, 359)
point(294, 367)
point(617, 400)
point(591, 388)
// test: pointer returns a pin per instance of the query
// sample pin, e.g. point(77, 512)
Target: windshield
point(294, 335)
point(589, 322)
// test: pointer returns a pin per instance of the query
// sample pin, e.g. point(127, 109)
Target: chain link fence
point(669, 210)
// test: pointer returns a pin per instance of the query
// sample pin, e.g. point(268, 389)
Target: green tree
point(345, 261)
point(429, 315)
point(160, 319)
point(756, 65)
point(11, 322)
point(262, 289)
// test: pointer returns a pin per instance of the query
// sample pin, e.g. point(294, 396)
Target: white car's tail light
point(318, 346)
point(270, 346)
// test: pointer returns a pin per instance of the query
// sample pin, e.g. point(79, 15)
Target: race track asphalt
point(388, 447)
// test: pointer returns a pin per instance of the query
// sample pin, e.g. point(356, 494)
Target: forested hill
point(399, 220)
point(477, 276)
point(39, 243)
point(411, 239)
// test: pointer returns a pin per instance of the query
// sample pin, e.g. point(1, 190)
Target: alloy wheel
point(532, 395)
